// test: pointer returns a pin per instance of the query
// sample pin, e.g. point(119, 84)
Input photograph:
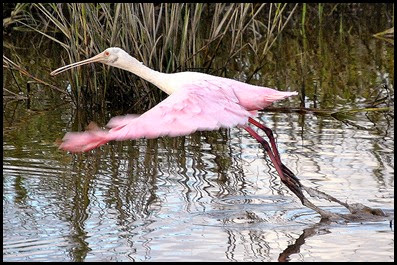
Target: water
point(209, 196)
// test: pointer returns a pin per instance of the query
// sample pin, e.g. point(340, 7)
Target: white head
point(113, 56)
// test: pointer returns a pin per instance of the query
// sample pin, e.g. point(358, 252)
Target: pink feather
point(208, 104)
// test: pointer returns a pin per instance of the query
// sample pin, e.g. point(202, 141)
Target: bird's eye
point(107, 53)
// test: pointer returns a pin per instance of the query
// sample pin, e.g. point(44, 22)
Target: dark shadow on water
point(323, 228)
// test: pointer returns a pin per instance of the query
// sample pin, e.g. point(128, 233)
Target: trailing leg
point(269, 134)
point(290, 181)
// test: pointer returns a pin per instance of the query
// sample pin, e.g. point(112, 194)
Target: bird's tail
point(272, 95)
point(279, 95)
point(84, 141)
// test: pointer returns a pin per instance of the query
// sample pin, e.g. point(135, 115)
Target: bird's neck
point(158, 79)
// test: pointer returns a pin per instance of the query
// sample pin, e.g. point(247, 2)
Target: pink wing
point(201, 106)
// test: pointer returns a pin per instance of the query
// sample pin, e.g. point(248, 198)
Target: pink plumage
point(196, 102)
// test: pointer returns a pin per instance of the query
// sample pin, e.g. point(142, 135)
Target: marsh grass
point(238, 41)
point(168, 37)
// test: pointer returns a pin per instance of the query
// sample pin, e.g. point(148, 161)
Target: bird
point(196, 102)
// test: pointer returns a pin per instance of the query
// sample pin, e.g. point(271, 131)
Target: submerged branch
point(11, 65)
point(328, 112)
point(358, 211)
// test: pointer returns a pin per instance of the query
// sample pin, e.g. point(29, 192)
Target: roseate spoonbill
point(196, 101)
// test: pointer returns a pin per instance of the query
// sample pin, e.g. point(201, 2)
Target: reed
point(169, 37)
point(225, 39)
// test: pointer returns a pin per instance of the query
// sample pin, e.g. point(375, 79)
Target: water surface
point(211, 196)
